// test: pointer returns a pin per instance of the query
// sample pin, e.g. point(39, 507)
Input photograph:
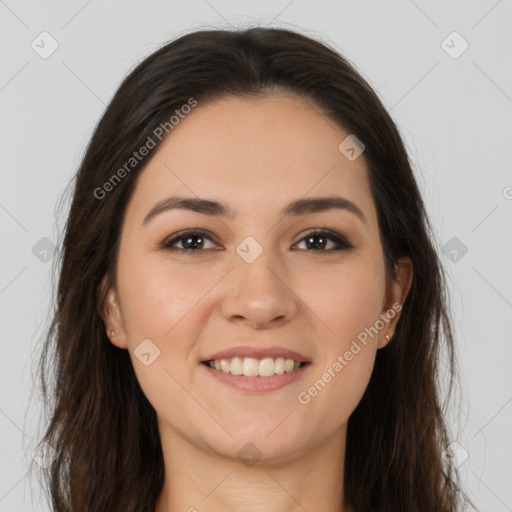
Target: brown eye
point(318, 240)
point(191, 241)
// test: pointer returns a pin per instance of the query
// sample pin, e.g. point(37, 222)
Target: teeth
point(279, 365)
point(235, 366)
point(251, 367)
point(266, 367)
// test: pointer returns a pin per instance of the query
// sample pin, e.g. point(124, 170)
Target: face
point(253, 282)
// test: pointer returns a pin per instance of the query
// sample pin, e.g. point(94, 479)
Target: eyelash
point(342, 243)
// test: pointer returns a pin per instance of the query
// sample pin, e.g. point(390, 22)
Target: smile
point(252, 367)
point(256, 376)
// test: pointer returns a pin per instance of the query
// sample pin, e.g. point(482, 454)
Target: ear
point(396, 294)
point(111, 316)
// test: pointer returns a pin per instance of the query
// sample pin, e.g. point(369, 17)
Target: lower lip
point(258, 384)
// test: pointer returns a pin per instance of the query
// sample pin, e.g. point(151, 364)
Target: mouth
point(255, 376)
point(256, 370)
point(253, 367)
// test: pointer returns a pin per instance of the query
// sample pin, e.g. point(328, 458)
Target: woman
point(250, 307)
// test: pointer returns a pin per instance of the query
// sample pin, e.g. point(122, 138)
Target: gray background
point(454, 110)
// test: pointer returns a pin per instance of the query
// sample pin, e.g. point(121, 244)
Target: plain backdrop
point(441, 68)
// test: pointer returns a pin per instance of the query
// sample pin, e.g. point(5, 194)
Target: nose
point(259, 294)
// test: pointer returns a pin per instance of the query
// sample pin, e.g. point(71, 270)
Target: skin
point(257, 155)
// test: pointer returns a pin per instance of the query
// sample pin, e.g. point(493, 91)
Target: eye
point(196, 241)
point(191, 241)
point(318, 239)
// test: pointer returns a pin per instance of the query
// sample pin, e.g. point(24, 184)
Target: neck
point(197, 481)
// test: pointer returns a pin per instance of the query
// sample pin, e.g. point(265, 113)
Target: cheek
point(165, 306)
point(346, 300)
point(340, 388)
point(156, 298)
point(348, 303)
point(161, 305)
point(338, 382)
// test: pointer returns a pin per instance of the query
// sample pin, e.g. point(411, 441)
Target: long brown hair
point(106, 452)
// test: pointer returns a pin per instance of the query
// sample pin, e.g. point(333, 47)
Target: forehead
point(250, 153)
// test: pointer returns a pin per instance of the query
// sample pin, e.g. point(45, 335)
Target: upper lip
point(258, 353)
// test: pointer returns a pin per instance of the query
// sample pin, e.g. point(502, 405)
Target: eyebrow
point(215, 208)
